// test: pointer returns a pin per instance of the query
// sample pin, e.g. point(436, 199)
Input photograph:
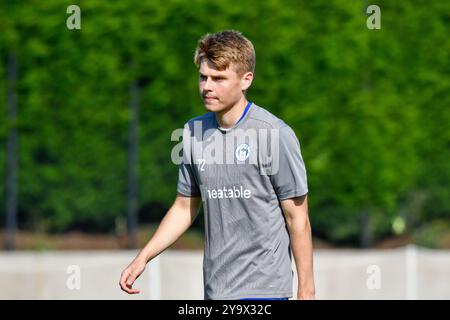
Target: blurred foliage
point(370, 107)
point(435, 234)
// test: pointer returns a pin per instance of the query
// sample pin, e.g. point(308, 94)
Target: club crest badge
point(242, 152)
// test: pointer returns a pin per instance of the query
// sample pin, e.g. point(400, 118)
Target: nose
point(207, 84)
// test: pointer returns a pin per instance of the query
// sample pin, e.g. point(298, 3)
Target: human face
point(221, 90)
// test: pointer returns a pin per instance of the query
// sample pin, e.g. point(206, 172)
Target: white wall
point(406, 273)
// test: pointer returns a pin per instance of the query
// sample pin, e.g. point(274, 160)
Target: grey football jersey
point(241, 175)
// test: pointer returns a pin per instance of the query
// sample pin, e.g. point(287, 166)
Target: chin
point(212, 107)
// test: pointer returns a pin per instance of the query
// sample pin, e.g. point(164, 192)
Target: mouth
point(209, 99)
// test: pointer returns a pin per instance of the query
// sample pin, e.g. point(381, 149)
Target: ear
point(246, 80)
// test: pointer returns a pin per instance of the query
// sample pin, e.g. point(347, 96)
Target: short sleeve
point(289, 176)
point(187, 183)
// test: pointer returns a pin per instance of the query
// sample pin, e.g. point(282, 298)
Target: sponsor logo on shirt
point(234, 192)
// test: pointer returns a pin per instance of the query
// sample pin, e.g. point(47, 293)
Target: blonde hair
point(226, 47)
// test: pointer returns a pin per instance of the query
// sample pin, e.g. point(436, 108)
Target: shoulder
point(264, 118)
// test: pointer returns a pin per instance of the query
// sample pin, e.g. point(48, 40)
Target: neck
point(228, 118)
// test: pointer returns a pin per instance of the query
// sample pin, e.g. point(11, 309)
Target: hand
point(130, 274)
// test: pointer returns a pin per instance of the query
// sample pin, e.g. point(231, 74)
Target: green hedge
point(370, 107)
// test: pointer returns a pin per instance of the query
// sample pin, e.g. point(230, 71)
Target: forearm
point(176, 221)
point(301, 244)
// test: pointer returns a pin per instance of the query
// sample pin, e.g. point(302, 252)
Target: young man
point(254, 196)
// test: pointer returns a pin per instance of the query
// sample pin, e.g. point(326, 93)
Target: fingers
point(126, 283)
point(123, 280)
point(130, 280)
point(129, 284)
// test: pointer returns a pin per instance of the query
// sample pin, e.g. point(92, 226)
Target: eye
point(202, 78)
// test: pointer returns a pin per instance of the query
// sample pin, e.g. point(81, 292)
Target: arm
point(176, 221)
point(296, 213)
